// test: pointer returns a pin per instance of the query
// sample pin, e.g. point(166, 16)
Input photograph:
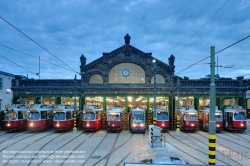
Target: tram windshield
point(191, 116)
point(239, 116)
point(138, 117)
point(218, 118)
point(59, 116)
point(34, 115)
point(162, 116)
point(10, 116)
point(113, 116)
point(88, 116)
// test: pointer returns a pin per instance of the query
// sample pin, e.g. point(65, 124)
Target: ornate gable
point(124, 54)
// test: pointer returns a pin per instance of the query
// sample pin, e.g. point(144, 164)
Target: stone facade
point(127, 53)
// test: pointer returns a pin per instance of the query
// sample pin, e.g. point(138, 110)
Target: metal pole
point(212, 129)
point(154, 113)
point(75, 129)
point(178, 108)
point(39, 67)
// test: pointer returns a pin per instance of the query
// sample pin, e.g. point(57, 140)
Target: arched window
point(127, 73)
point(159, 79)
point(96, 79)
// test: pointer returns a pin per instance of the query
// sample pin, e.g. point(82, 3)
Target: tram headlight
point(8, 124)
point(141, 125)
point(242, 124)
point(134, 125)
point(113, 125)
point(162, 124)
point(87, 124)
point(31, 124)
point(192, 124)
point(57, 125)
point(217, 125)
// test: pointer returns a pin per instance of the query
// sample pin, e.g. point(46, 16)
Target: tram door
point(228, 119)
point(205, 120)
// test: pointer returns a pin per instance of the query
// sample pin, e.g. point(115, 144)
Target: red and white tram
point(188, 119)
point(115, 119)
point(92, 118)
point(15, 118)
point(63, 117)
point(235, 118)
point(162, 118)
point(137, 120)
point(40, 117)
point(204, 120)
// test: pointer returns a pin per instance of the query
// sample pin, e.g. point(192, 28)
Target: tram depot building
point(125, 77)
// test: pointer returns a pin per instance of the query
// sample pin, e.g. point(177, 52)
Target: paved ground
point(102, 148)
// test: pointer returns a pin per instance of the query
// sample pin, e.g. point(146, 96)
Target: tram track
point(18, 141)
point(132, 150)
point(185, 151)
point(217, 135)
point(14, 156)
point(44, 146)
point(107, 157)
point(221, 153)
point(13, 136)
point(238, 135)
point(99, 146)
point(45, 158)
point(76, 148)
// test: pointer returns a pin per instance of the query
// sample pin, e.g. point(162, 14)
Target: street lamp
point(154, 111)
point(8, 90)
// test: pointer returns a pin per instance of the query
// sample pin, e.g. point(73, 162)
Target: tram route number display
point(138, 112)
point(17, 157)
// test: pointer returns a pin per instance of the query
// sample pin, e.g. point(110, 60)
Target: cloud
point(69, 29)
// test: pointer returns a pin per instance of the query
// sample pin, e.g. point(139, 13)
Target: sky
point(60, 31)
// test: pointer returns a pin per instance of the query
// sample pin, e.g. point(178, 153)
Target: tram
point(188, 119)
point(137, 120)
point(162, 118)
point(63, 117)
point(40, 117)
point(204, 119)
point(15, 118)
point(235, 118)
point(92, 117)
point(115, 119)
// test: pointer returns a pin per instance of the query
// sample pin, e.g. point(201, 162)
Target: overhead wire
point(33, 56)
point(201, 27)
point(37, 43)
point(233, 44)
point(20, 66)
point(214, 53)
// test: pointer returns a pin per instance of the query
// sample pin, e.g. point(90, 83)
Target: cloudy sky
point(66, 29)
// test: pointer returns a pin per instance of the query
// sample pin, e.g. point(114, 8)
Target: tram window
point(89, 116)
point(239, 116)
point(114, 116)
point(10, 116)
point(68, 115)
point(191, 117)
point(13, 116)
point(138, 116)
point(218, 118)
point(50, 114)
point(59, 116)
point(20, 115)
point(43, 114)
point(97, 115)
point(34, 115)
point(162, 116)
